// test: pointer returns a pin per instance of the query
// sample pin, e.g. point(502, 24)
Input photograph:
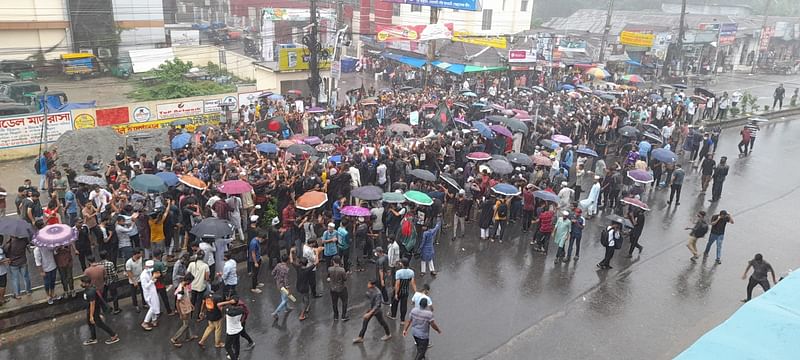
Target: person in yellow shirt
point(156, 222)
point(501, 209)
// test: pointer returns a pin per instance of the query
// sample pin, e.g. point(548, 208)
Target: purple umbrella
point(312, 140)
point(52, 236)
point(356, 211)
point(640, 176)
point(502, 130)
point(234, 187)
point(316, 110)
point(462, 121)
point(563, 139)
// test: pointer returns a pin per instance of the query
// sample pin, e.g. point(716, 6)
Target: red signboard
point(766, 35)
point(112, 116)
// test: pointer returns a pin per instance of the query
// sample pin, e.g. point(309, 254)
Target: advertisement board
point(180, 109)
point(25, 130)
point(470, 5)
point(185, 37)
point(83, 121)
point(636, 39)
point(414, 32)
point(521, 56)
point(766, 35)
point(247, 98)
point(491, 41)
point(297, 59)
point(196, 120)
point(211, 106)
point(112, 116)
point(727, 33)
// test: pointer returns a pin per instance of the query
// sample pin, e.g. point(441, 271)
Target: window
point(487, 20)
point(395, 9)
point(416, 8)
point(524, 5)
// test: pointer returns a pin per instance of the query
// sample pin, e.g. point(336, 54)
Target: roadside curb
point(741, 120)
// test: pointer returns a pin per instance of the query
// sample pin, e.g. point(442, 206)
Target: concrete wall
point(507, 17)
point(29, 25)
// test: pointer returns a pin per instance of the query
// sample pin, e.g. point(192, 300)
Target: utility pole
point(606, 30)
point(431, 46)
point(340, 33)
point(43, 139)
point(311, 41)
point(681, 33)
point(758, 42)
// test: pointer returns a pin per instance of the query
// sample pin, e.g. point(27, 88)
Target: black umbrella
point(330, 137)
point(520, 158)
point(704, 92)
point(299, 149)
point(213, 228)
point(450, 181)
point(406, 88)
point(653, 137)
point(367, 192)
point(628, 131)
point(621, 111)
point(461, 105)
point(501, 167)
point(619, 219)
point(15, 227)
point(422, 174)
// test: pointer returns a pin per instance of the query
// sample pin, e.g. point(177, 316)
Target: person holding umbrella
point(636, 217)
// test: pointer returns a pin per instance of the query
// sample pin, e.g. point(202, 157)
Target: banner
point(16, 131)
point(470, 5)
point(174, 110)
point(572, 45)
point(766, 35)
point(296, 59)
point(490, 41)
point(521, 56)
point(112, 116)
point(636, 39)
point(414, 32)
point(83, 120)
point(196, 120)
point(727, 33)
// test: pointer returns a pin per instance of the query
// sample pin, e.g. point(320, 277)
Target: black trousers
point(98, 323)
point(752, 284)
point(743, 144)
point(337, 296)
point(254, 275)
point(527, 217)
point(162, 293)
point(422, 347)
point(402, 301)
point(675, 191)
point(716, 190)
point(134, 291)
point(635, 235)
point(378, 315)
point(111, 290)
point(777, 101)
point(609, 254)
point(232, 346)
point(197, 301)
point(245, 335)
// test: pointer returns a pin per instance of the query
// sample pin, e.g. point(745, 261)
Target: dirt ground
point(107, 90)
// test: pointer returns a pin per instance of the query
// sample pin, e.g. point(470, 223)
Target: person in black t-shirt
point(94, 316)
point(759, 276)
point(706, 170)
point(718, 223)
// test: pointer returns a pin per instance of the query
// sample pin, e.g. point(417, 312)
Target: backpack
point(502, 210)
point(604, 238)
point(701, 230)
point(37, 166)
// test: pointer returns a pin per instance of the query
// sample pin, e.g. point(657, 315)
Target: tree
point(172, 84)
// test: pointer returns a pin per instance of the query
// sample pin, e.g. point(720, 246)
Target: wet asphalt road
point(502, 301)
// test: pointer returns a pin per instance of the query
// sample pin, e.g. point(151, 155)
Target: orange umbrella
point(311, 200)
point(192, 182)
point(283, 144)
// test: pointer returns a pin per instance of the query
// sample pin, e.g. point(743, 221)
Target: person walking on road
point(758, 277)
point(706, 171)
point(426, 250)
point(697, 232)
point(718, 224)
point(560, 235)
point(720, 173)
point(404, 284)
point(183, 304)
point(636, 216)
point(611, 239)
point(94, 317)
point(148, 279)
point(281, 275)
point(338, 282)
point(676, 185)
point(421, 321)
point(576, 233)
point(374, 297)
point(745, 142)
point(754, 129)
point(777, 97)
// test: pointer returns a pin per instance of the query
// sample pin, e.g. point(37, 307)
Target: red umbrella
point(479, 156)
point(541, 160)
point(636, 202)
point(234, 187)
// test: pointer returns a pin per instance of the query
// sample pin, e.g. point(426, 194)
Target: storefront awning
point(459, 69)
point(408, 60)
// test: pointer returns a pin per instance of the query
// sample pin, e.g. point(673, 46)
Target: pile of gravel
point(102, 143)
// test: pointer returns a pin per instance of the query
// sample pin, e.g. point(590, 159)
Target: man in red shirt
point(745, 140)
point(528, 207)
point(288, 215)
point(545, 221)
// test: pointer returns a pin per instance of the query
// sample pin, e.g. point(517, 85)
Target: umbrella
point(298, 138)
point(499, 157)
point(545, 195)
point(541, 160)
point(295, 92)
point(520, 158)
point(664, 155)
point(597, 73)
point(332, 127)
point(325, 148)
point(180, 122)
point(523, 117)
point(608, 97)
point(575, 95)
point(539, 89)
point(267, 148)
point(265, 94)
point(422, 174)
point(355, 211)
point(497, 118)
point(16, 227)
point(429, 106)
point(275, 97)
point(486, 110)
point(148, 183)
point(350, 128)
point(704, 92)
point(394, 198)
point(628, 131)
point(524, 88)
point(311, 200)
point(620, 111)
point(400, 128)
point(414, 90)
point(169, 177)
point(299, 149)
point(450, 181)
point(653, 129)
point(405, 88)
point(501, 167)
point(562, 139)
point(469, 93)
point(483, 129)
point(640, 176)
point(367, 192)
point(497, 107)
point(213, 228)
point(636, 202)
point(192, 182)
point(335, 159)
point(479, 104)
point(516, 125)
point(419, 198)
point(225, 145)
point(679, 86)
point(699, 98)
point(461, 121)
point(234, 187)
point(620, 220)
point(519, 111)
point(90, 180)
point(633, 79)
point(587, 151)
point(566, 87)
point(506, 189)
point(315, 110)
point(550, 144)
point(656, 97)
point(461, 105)
point(479, 156)
point(181, 140)
point(330, 137)
point(312, 140)
point(53, 236)
point(653, 137)
point(502, 130)
point(283, 144)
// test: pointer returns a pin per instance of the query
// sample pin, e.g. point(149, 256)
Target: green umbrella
point(331, 127)
point(516, 125)
point(419, 198)
point(393, 197)
point(148, 183)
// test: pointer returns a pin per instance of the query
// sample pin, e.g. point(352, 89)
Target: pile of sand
point(102, 143)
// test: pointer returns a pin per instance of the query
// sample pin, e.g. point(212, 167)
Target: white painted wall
point(507, 17)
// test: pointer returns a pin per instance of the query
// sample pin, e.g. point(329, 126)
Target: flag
point(444, 116)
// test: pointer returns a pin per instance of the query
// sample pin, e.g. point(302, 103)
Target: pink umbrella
point(636, 202)
point(523, 117)
point(502, 130)
point(479, 156)
point(234, 187)
point(312, 140)
point(497, 107)
point(355, 211)
point(462, 121)
point(53, 236)
point(316, 110)
point(519, 111)
point(541, 160)
point(429, 106)
point(563, 139)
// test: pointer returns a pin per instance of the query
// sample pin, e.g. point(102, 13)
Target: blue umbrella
point(181, 140)
point(506, 189)
point(656, 97)
point(335, 159)
point(169, 178)
point(225, 145)
point(545, 195)
point(469, 93)
point(566, 87)
point(664, 155)
point(267, 148)
point(587, 151)
point(483, 129)
point(275, 97)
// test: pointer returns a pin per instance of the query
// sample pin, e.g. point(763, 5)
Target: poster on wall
point(174, 110)
point(294, 59)
point(16, 131)
point(245, 99)
point(112, 116)
point(212, 106)
point(471, 5)
point(84, 121)
point(194, 121)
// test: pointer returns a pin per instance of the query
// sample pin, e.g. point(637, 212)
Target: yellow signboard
point(195, 121)
point(491, 41)
point(84, 121)
point(297, 59)
point(636, 39)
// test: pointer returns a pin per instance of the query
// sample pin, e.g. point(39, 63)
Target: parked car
point(17, 90)
point(7, 109)
point(22, 69)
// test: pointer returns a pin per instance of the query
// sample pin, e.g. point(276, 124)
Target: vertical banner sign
point(727, 33)
point(766, 35)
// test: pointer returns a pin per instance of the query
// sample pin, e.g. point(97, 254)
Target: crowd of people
point(573, 158)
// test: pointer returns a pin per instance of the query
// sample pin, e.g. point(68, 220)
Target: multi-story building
point(494, 17)
point(31, 27)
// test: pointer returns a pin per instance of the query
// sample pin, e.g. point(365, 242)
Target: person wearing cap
point(590, 203)
point(330, 239)
point(576, 233)
point(565, 196)
point(561, 233)
point(147, 278)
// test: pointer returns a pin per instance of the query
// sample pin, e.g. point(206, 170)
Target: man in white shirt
point(381, 174)
point(355, 176)
point(423, 293)
point(101, 198)
point(46, 263)
point(133, 268)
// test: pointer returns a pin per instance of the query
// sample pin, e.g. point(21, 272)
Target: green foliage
point(734, 111)
point(269, 213)
point(172, 85)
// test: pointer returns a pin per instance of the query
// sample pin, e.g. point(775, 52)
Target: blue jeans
point(715, 238)
point(282, 306)
point(16, 272)
point(50, 280)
